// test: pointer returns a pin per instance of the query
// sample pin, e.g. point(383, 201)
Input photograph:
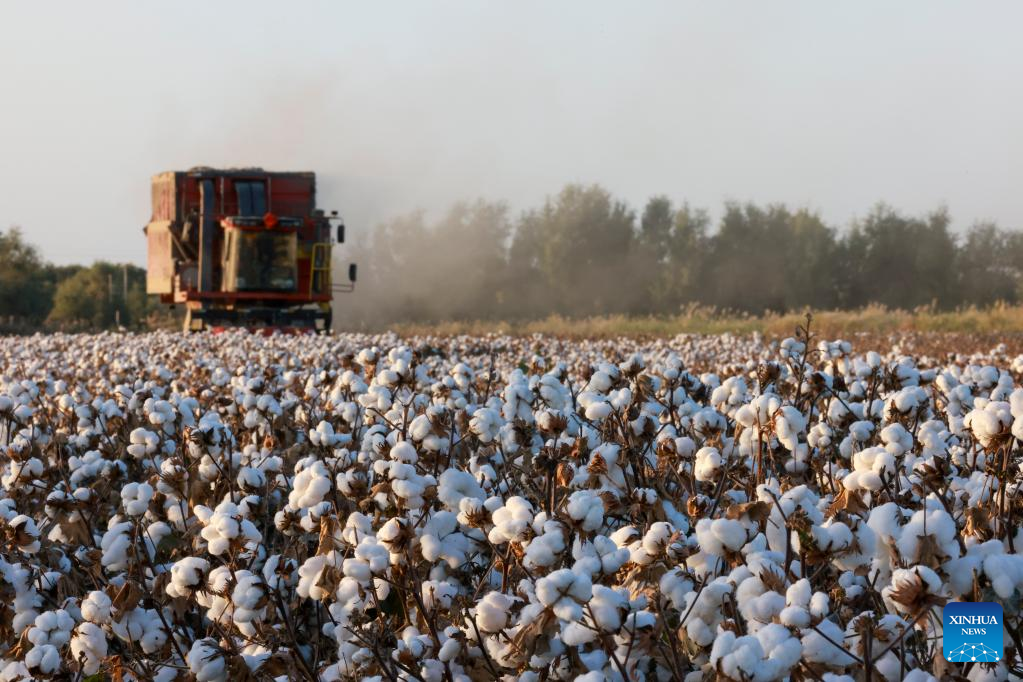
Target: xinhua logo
point(972, 632)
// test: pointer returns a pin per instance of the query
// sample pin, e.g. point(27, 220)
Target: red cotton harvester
point(243, 247)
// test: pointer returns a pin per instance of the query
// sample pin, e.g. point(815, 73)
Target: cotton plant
point(442, 508)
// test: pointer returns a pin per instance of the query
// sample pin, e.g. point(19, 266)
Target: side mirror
point(340, 233)
point(353, 270)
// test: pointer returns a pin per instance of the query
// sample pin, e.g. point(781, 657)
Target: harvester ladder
point(321, 264)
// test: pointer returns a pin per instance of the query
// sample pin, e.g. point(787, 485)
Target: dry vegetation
point(990, 322)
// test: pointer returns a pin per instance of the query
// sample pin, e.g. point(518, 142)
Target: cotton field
point(240, 507)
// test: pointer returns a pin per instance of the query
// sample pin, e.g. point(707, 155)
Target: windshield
point(261, 261)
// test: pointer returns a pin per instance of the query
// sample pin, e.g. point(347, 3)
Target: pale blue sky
point(415, 104)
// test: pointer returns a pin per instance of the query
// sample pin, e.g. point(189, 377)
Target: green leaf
point(392, 605)
point(167, 545)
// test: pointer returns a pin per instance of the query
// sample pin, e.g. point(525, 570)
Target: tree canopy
point(585, 252)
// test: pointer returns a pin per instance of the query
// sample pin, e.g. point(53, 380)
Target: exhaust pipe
point(207, 220)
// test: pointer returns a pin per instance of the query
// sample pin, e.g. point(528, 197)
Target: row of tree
point(35, 294)
point(583, 252)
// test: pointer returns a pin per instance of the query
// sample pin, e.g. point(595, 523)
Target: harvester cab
point(244, 247)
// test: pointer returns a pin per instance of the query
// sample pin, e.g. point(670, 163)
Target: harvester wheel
point(190, 325)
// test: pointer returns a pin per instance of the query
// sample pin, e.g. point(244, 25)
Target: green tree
point(454, 267)
point(95, 298)
point(584, 252)
point(671, 255)
point(987, 266)
point(24, 289)
point(905, 262)
point(809, 261)
point(468, 275)
point(651, 259)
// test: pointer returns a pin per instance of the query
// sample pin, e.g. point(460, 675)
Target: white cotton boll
point(357, 569)
point(886, 521)
point(142, 443)
point(135, 497)
point(404, 452)
point(718, 536)
point(471, 510)
point(89, 645)
point(897, 439)
point(373, 553)
point(511, 520)
point(279, 573)
point(624, 536)
point(868, 468)
point(310, 486)
point(227, 525)
point(96, 607)
point(439, 540)
point(739, 658)
point(249, 599)
point(794, 617)
point(544, 549)
point(186, 576)
point(932, 521)
point(251, 479)
point(449, 650)
point(575, 634)
point(833, 536)
point(485, 424)
point(19, 475)
point(799, 593)
point(115, 545)
point(675, 585)
point(454, 485)
point(438, 594)
point(918, 577)
point(51, 627)
point(310, 572)
point(142, 626)
point(611, 556)
point(494, 611)
point(820, 605)
point(607, 606)
point(757, 604)
point(206, 661)
point(25, 527)
point(518, 399)
point(586, 507)
point(708, 463)
point(323, 435)
point(1005, 571)
point(44, 658)
point(598, 410)
point(620, 399)
point(600, 382)
point(563, 591)
point(423, 431)
point(979, 488)
point(990, 422)
point(861, 431)
point(657, 537)
point(783, 651)
point(708, 422)
point(818, 649)
point(789, 424)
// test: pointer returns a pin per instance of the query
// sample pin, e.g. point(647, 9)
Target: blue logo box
point(973, 631)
